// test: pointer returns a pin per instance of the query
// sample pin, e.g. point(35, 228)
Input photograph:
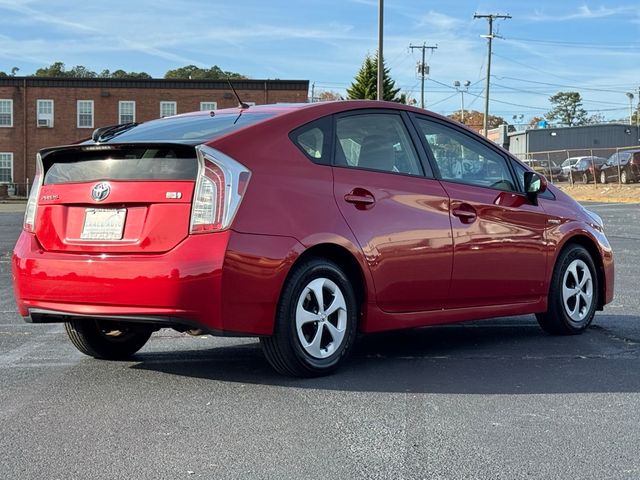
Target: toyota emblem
point(100, 191)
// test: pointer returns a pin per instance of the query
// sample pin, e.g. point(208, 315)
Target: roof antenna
point(241, 104)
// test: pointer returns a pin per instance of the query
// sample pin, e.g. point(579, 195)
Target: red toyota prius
point(303, 225)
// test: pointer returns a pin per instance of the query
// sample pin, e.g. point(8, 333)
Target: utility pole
point(380, 86)
point(638, 115)
point(489, 37)
point(313, 92)
point(423, 69)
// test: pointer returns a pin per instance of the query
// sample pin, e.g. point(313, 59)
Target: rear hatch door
point(122, 198)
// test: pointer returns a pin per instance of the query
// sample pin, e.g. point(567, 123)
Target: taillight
point(220, 187)
point(32, 203)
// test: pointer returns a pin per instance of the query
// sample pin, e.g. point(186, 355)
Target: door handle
point(465, 212)
point(360, 197)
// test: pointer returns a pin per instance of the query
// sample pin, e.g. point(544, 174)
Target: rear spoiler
point(88, 146)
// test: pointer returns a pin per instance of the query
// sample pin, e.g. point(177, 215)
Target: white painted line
point(617, 204)
point(33, 345)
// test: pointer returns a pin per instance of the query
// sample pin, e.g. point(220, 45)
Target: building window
point(208, 106)
point(167, 109)
point(45, 114)
point(127, 111)
point(85, 113)
point(6, 167)
point(6, 113)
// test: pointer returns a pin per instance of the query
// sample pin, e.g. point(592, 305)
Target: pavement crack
point(631, 342)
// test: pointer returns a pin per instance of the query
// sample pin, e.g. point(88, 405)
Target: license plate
point(103, 224)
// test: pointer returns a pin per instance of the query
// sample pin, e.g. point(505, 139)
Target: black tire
point(603, 177)
point(585, 178)
point(284, 349)
point(106, 340)
point(624, 177)
point(557, 320)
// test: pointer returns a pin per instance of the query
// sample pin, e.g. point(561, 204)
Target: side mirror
point(534, 185)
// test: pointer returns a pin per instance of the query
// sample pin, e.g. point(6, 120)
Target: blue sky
point(548, 46)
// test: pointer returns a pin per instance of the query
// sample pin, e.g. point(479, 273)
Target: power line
point(531, 92)
point(531, 67)
point(443, 100)
point(562, 43)
point(561, 85)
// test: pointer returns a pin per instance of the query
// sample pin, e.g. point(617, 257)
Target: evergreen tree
point(365, 84)
point(567, 109)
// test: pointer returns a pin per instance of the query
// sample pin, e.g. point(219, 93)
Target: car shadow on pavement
point(507, 356)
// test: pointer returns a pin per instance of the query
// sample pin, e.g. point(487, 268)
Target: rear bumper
point(225, 283)
point(181, 286)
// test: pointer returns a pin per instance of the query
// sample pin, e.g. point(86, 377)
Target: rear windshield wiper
point(103, 134)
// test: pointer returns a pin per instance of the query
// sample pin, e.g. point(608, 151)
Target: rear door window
point(376, 141)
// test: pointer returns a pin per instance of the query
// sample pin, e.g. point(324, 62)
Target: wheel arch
point(590, 246)
point(343, 258)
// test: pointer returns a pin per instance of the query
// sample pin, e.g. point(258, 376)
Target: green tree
point(196, 73)
point(80, 71)
point(365, 84)
point(567, 109)
point(123, 74)
point(56, 69)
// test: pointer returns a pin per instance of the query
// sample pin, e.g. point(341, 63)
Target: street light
point(517, 120)
point(462, 90)
point(630, 97)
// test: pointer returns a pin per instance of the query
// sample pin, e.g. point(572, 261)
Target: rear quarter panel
point(288, 197)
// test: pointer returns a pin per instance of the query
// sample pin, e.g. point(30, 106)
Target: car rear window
point(148, 163)
point(192, 129)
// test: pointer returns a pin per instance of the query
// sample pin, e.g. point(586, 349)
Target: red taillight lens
point(220, 187)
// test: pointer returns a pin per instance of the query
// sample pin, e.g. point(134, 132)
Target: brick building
point(40, 112)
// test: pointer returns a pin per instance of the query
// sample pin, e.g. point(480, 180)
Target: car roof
point(322, 108)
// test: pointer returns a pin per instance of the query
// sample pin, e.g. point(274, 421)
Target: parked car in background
point(587, 169)
point(622, 166)
point(565, 167)
point(302, 225)
point(546, 167)
point(535, 165)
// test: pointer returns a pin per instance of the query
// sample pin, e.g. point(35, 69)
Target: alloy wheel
point(321, 318)
point(577, 290)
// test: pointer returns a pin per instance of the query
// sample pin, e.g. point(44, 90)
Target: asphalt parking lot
point(497, 399)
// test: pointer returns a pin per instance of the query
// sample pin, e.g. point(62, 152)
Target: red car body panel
point(146, 229)
point(182, 283)
point(500, 257)
point(406, 232)
point(419, 263)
